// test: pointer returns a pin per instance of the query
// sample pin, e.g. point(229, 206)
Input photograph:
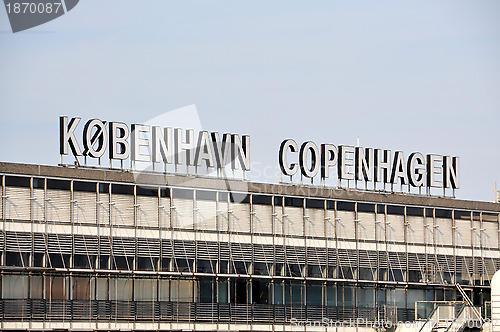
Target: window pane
point(145, 290)
point(120, 289)
point(56, 288)
point(15, 287)
point(36, 287)
point(81, 288)
point(102, 289)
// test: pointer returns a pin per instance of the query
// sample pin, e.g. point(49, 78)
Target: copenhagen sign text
point(154, 144)
point(370, 165)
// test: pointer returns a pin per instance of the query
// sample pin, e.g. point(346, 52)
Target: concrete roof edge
point(192, 181)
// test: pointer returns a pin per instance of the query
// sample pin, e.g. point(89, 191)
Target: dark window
point(314, 294)
point(207, 290)
point(262, 199)
point(104, 188)
point(315, 204)
point(238, 291)
point(223, 267)
point(346, 272)
point(165, 264)
point(206, 195)
point(332, 272)
point(293, 201)
point(415, 211)
point(239, 267)
point(38, 183)
point(396, 210)
point(38, 260)
point(58, 184)
point(17, 181)
point(441, 213)
point(462, 215)
point(165, 192)
point(17, 259)
point(345, 206)
point(294, 270)
point(278, 201)
point(262, 269)
point(429, 213)
point(104, 262)
point(122, 263)
point(330, 205)
point(396, 275)
point(147, 191)
point(239, 198)
point(260, 291)
point(205, 266)
point(366, 274)
point(147, 263)
point(315, 271)
point(380, 209)
point(59, 260)
point(84, 262)
point(183, 265)
point(122, 189)
point(278, 269)
point(363, 207)
point(415, 276)
point(84, 186)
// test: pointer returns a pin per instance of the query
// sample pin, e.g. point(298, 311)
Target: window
point(84, 262)
point(165, 264)
point(223, 267)
point(120, 289)
point(59, 260)
point(207, 290)
point(17, 259)
point(239, 267)
point(122, 263)
point(222, 294)
point(278, 269)
point(145, 289)
point(238, 291)
point(36, 287)
point(260, 291)
point(182, 290)
point(147, 263)
point(15, 286)
point(38, 260)
point(101, 288)
point(183, 265)
point(104, 262)
point(81, 288)
point(262, 269)
point(315, 271)
point(278, 293)
point(294, 270)
point(56, 288)
point(314, 294)
point(293, 293)
point(205, 266)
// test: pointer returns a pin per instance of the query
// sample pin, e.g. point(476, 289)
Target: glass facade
point(75, 249)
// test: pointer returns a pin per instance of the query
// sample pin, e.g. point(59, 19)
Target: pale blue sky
point(411, 76)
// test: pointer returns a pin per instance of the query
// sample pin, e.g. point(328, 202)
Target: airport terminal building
point(96, 249)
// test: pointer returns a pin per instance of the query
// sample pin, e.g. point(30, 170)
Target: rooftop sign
point(155, 144)
point(369, 165)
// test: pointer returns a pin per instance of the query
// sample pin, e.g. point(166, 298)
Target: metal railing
point(91, 310)
point(447, 315)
